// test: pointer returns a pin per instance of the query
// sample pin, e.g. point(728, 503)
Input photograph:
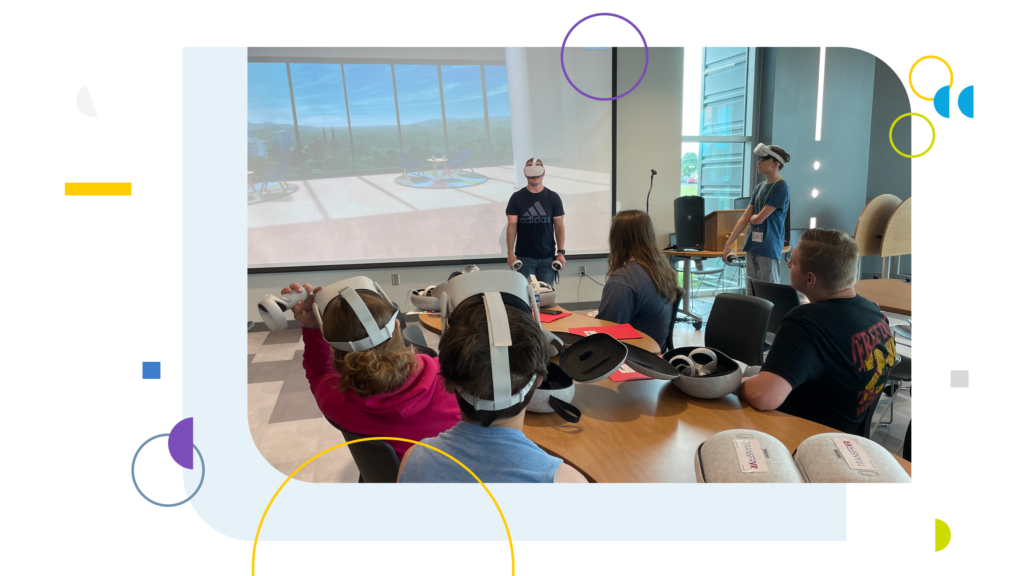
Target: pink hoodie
point(420, 409)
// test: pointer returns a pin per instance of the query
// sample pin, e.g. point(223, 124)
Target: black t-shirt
point(535, 230)
point(837, 355)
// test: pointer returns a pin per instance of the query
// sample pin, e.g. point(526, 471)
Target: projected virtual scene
point(375, 155)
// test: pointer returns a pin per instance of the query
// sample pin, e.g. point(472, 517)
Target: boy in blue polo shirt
point(766, 215)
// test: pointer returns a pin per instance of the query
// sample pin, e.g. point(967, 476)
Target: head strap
point(347, 291)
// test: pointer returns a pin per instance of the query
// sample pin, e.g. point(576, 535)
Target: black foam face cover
point(557, 379)
point(568, 338)
point(593, 358)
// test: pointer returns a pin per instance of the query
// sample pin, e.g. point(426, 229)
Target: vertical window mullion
point(348, 117)
point(295, 117)
point(487, 121)
point(444, 120)
point(398, 119)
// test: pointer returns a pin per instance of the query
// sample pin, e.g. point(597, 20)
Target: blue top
point(774, 227)
point(630, 297)
point(495, 454)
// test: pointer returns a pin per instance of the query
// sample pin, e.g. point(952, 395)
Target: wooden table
point(687, 256)
point(890, 294)
point(433, 323)
point(647, 430)
point(437, 161)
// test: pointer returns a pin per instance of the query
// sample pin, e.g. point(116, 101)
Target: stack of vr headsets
point(429, 298)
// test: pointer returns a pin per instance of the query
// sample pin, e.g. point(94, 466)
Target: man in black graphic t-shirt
point(535, 226)
point(830, 358)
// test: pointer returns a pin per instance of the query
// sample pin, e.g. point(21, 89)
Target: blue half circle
point(966, 101)
point(942, 102)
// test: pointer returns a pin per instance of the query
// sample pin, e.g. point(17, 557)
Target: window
point(371, 104)
point(499, 116)
point(322, 119)
point(464, 111)
point(419, 103)
point(271, 134)
point(329, 119)
point(717, 131)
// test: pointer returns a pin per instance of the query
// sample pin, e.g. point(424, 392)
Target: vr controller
point(272, 308)
point(556, 265)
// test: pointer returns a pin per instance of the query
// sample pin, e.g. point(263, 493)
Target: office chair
point(377, 460)
point(737, 326)
point(785, 298)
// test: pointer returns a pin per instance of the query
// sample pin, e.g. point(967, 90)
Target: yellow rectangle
point(97, 188)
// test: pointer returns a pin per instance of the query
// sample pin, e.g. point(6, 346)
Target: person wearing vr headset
point(493, 384)
point(372, 383)
point(535, 225)
point(641, 286)
point(831, 358)
point(766, 215)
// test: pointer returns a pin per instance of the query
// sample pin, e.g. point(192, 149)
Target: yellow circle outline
point(911, 78)
point(894, 126)
point(260, 527)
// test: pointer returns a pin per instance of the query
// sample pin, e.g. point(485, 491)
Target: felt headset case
point(846, 458)
point(744, 456)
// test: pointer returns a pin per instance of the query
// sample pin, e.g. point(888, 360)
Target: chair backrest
point(896, 237)
point(871, 224)
point(377, 461)
point(906, 443)
point(277, 172)
point(864, 431)
point(465, 154)
point(741, 203)
point(668, 345)
point(737, 326)
point(784, 298)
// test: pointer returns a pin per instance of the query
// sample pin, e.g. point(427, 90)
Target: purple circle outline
point(647, 57)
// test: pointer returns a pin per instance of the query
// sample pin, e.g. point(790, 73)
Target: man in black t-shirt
point(830, 358)
point(535, 225)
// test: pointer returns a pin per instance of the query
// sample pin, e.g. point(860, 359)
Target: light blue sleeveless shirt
point(494, 454)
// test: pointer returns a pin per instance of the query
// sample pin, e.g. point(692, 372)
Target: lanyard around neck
point(764, 197)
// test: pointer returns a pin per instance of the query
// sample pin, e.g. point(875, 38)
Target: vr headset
point(764, 151)
point(348, 292)
point(535, 170)
point(498, 287)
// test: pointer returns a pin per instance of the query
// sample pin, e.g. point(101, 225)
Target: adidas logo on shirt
point(535, 215)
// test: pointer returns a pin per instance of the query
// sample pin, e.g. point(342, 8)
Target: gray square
point(958, 378)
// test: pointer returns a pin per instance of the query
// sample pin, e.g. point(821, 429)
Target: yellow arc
point(503, 521)
point(911, 78)
point(942, 535)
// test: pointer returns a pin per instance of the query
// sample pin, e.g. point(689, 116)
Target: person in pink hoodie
point(386, 390)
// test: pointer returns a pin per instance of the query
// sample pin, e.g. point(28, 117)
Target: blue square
point(150, 370)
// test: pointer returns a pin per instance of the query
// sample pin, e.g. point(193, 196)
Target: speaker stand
point(697, 321)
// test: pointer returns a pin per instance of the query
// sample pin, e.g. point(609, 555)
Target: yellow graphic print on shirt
point(874, 351)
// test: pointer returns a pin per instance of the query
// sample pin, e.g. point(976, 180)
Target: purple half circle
point(179, 443)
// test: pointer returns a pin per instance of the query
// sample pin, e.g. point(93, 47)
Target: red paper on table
point(625, 374)
point(552, 317)
point(619, 332)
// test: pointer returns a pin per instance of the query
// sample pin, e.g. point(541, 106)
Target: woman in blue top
point(641, 284)
point(766, 215)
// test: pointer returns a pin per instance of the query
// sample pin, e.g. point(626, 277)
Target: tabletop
point(648, 430)
point(709, 253)
point(890, 294)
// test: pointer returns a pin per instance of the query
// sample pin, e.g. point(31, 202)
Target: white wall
point(649, 127)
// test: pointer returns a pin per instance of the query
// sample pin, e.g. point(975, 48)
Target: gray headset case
point(723, 382)
point(718, 460)
point(821, 460)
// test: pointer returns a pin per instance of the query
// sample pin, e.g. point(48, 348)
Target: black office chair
point(899, 374)
point(906, 443)
point(785, 298)
point(737, 326)
point(668, 345)
point(377, 460)
point(865, 427)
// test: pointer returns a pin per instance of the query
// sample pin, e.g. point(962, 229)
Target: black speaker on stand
point(689, 212)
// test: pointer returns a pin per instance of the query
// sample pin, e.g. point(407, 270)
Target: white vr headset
point(347, 291)
point(492, 284)
point(535, 170)
point(764, 151)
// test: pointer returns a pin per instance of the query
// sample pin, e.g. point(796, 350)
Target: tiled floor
point(288, 428)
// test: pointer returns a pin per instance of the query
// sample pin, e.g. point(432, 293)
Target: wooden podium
point(717, 227)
